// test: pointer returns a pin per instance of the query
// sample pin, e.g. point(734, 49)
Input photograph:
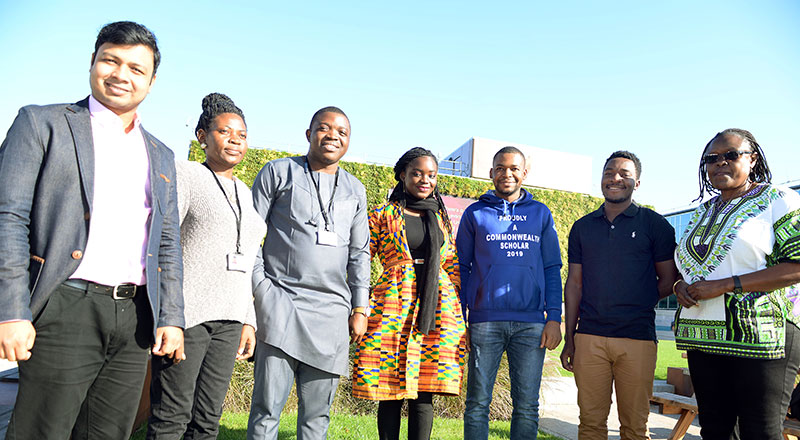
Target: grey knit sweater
point(208, 235)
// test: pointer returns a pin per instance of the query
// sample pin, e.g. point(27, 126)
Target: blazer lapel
point(154, 158)
point(78, 119)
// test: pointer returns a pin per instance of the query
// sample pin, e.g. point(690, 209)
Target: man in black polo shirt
point(620, 265)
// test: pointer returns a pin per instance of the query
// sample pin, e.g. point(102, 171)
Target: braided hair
point(397, 194)
point(760, 172)
point(215, 104)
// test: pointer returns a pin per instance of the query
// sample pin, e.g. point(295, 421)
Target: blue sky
point(657, 78)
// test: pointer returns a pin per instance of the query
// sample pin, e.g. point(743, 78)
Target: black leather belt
point(120, 291)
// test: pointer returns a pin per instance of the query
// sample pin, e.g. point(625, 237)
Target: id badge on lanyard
point(326, 238)
point(236, 262)
point(325, 235)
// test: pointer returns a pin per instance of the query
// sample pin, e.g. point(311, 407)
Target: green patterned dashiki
point(752, 232)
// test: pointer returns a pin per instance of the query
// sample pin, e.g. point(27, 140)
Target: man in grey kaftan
point(311, 279)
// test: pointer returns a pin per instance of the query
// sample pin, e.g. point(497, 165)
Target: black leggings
point(420, 418)
point(750, 394)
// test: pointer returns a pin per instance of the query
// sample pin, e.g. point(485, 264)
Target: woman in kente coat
point(415, 342)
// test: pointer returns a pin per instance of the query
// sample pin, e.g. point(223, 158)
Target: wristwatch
point(363, 310)
point(737, 285)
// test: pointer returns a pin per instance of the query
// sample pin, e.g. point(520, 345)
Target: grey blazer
point(47, 181)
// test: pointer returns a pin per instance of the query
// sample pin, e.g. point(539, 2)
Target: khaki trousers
point(628, 364)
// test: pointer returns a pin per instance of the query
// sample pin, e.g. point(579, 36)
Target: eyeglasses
point(709, 159)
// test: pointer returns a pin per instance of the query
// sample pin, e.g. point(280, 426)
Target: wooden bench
point(791, 429)
point(676, 404)
point(687, 407)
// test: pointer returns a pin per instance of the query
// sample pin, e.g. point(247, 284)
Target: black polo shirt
point(620, 287)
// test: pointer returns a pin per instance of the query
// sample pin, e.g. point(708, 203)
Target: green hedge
point(378, 179)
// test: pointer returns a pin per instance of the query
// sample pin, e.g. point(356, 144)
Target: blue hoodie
point(510, 260)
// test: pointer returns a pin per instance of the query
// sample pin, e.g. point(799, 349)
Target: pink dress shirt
point(118, 228)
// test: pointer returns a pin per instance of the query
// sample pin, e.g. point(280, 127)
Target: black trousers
point(186, 398)
point(86, 370)
point(752, 393)
point(420, 418)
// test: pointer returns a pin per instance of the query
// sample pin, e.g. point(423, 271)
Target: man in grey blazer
point(311, 280)
point(90, 258)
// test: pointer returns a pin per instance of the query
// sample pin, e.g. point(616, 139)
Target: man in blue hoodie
point(511, 294)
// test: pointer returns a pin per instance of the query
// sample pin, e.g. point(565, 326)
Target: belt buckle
point(115, 295)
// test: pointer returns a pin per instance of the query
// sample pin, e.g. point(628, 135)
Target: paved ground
point(559, 410)
point(559, 413)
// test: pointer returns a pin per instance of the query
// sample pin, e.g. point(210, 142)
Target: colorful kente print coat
point(394, 360)
point(743, 235)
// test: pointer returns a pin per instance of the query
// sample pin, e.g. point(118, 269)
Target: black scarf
point(428, 286)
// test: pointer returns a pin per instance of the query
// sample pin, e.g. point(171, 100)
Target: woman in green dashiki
point(740, 261)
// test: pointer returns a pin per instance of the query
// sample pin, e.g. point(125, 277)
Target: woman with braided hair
point(220, 235)
point(739, 258)
point(414, 346)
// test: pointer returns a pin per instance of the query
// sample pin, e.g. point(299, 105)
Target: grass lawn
point(343, 426)
point(668, 356)
point(234, 427)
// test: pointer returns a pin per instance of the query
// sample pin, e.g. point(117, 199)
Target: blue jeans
point(520, 341)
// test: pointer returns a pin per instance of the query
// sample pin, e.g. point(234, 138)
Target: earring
point(203, 146)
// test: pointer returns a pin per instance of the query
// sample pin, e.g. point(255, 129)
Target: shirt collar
point(107, 118)
point(630, 211)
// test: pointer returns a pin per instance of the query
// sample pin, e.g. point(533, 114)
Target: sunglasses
point(709, 159)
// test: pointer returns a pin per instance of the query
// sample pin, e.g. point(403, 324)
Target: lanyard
point(239, 205)
point(325, 212)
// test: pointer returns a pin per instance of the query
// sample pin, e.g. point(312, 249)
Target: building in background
point(546, 168)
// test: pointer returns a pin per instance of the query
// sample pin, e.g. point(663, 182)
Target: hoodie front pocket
point(509, 287)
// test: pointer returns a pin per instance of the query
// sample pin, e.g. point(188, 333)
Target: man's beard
point(505, 193)
point(620, 200)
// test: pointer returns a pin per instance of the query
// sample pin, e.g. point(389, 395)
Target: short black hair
point(328, 109)
point(128, 33)
point(626, 155)
point(508, 150)
point(215, 104)
point(760, 172)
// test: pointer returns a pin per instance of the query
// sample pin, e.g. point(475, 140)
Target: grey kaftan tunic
point(304, 291)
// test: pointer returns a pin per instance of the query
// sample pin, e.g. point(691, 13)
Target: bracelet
point(361, 310)
point(674, 286)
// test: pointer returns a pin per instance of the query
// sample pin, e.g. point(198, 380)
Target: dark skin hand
point(551, 335)
point(683, 296)
point(573, 292)
point(358, 326)
point(709, 289)
point(764, 280)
